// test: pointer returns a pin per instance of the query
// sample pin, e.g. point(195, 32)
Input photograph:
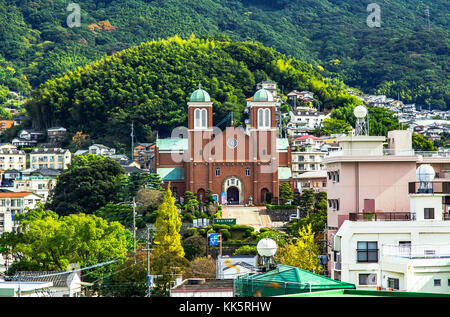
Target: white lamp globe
point(425, 173)
point(360, 112)
point(266, 247)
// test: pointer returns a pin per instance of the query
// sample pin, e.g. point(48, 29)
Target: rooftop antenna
point(361, 127)
point(427, 15)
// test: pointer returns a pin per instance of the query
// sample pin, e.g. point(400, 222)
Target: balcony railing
point(387, 152)
point(424, 251)
point(382, 216)
point(431, 188)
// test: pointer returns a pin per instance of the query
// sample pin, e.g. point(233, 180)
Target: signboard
point(225, 221)
point(213, 239)
point(215, 198)
point(223, 198)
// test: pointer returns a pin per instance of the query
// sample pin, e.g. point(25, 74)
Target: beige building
point(40, 185)
point(11, 158)
point(56, 158)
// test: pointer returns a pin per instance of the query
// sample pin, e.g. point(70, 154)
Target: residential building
point(12, 203)
point(40, 185)
point(5, 124)
point(239, 166)
point(24, 142)
point(12, 159)
point(54, 158)
point(30, 134)
point(406, 251)
point(304, 96)
point(100, 149)
point(304, 120)
point(8, 177)
point(316, 180)
point(63, 284)
point(268, 85)
point(364, 175)
point(56, 134)
point(144, 154)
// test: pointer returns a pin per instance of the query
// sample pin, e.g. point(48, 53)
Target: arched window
point(200, 118)
point(263, 118)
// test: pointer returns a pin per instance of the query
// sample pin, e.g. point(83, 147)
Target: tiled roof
point(60, 280)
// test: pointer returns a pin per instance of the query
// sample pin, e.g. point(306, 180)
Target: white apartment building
point(304, 120)
point(406, 251)
point(39, 185)
point(55, 158)
point(100, 149)
point(12, 159)
point(12, 203)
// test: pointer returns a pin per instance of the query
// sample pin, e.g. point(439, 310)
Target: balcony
point(432, 188)
point(387, 152)
point(382, 216)
point(423, 251)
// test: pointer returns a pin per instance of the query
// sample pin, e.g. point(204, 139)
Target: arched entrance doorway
point(264, 196)
point(201, 194)
point(232, 195)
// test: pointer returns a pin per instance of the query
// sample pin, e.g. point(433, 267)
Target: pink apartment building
point(365, 176)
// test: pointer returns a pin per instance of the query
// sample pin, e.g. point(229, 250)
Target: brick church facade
point(240, 166)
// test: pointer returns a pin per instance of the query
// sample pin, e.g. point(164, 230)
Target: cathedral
point(238, 165)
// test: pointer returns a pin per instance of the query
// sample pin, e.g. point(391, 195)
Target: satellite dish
point(425, 173)
point(266, 247)
point(360, 112)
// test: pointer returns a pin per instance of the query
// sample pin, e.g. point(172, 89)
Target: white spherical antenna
point(425, 173)
point(360, 112)
point(266, 247)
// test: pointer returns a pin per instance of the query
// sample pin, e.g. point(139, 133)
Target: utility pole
point(134, 224)
point(148, 262)
point(132, 140)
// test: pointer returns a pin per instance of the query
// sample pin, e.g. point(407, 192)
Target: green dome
point(200, 95)
point(263, 95)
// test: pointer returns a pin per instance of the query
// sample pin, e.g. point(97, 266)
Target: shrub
point(218, 227)
point(194, 247)
point(226, 235)
point(190, 232)
point(246, 250)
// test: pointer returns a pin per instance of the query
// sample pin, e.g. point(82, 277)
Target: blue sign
point(213, 239)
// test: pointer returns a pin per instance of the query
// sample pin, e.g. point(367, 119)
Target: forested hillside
point(401, 56)
point(150, 84)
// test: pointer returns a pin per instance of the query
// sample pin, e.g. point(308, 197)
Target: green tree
point(420, 143)
point(303, 253)
point(49, 242)
point(155, 182)
point(89, 183)
point(168, 224)
point(285, 193)
point(335, 126)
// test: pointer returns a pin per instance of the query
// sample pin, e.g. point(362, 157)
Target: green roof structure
point(200, 95)
point(284, 173)
point(262, 95)
point(172, 144)
point(366, 293)
point(282, 144)
point(171, 173)
point(284, 280)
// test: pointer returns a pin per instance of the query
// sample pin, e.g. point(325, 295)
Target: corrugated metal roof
point(171, 173)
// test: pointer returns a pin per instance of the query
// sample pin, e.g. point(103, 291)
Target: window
point(263, 118)
point(247, 171)
point(200, 118)
point(367, 251)
point(367, 279)
point(428, 213)
point(437, 282)
point(217, 171)
point(394, 283)
point(301, 158)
